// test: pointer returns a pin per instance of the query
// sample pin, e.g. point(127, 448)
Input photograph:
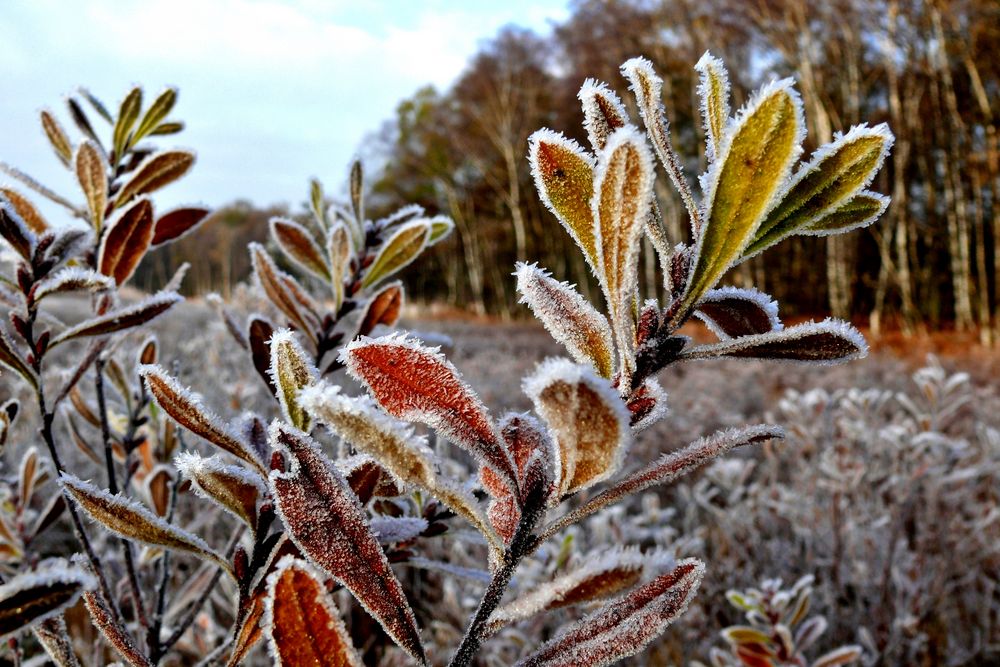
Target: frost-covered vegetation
point(335, 492)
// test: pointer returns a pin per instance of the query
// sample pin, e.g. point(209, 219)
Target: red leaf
point(172, 225)
point(126, 241)
point(325, 521)
point(417, 384)
point(624, 627)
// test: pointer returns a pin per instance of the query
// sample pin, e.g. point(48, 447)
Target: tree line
point(928, 68)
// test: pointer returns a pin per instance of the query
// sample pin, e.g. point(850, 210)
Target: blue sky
point(273, 92)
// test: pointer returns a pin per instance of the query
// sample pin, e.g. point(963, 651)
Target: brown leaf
point(126, 241)
point(24, 208)
point(299, 246)
point(232, 487)
point(57, 137)
point(328, 525)
point(156, 171)
point(129, 519)
point(121, 319)
point(830, 341)
point(54, 637)
point(587, 419)
point(603, 112)
point(302, 622)
point(31, 597)
point(416, 383)
point(187, 410)
point(249, 632)
point(666, 469)
point(383, 308)
point(91, 172)
point(15, 231)
point(175, 224)
point(11, 358)
point(113, 632)
point(624, 627)
point(569, 317)
point(260, 350)
point(271, 281)
point(731, 312)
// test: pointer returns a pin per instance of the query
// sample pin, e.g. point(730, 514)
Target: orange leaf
point(302, 622)
point(126, 241)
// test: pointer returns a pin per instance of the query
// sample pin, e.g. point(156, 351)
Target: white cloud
point(273, 92)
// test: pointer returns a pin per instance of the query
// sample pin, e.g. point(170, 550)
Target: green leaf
point(623, 194)
point(860, 211)
point(757, 153)
point(316, 202)
point(398, 251)
point(155, 114)
point(836, 173)
point(564, 177)
point(291, 372)
point(441, 228)
point(167, 128)
point(127, 115)
point(714, 93)
point(357, 192)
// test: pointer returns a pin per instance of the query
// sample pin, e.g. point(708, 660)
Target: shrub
point(326, 491)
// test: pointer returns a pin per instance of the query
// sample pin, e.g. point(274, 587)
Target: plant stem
point(520, 546)
point(133, 578)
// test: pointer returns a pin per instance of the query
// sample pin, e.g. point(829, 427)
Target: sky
point(273, 93)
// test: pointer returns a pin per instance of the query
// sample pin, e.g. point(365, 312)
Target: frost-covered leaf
point(623, 191)
point(829, 341)
point(302, 622)
point(156, 171)
point(647, 404)
point(327, 524)
point(128, 114)
point(26, 210)
point(569, 317)
point(533, 453)
point(31, 597)
point(153, 118)
point(564, 178)
point(299, 246)
point(405, 244)
point(121, 319)
point(232, 487)
point(603, 112)
point(127, 518)
point(625, 626)
point(383, 308)
point(11, 358)
point(187, 410)
point(836, 173)
point(601, 576)
point(291, 371)
point(249, 631)
point(731, 312)
point(713, 90)
point(92, 174)
point(338, 248)
point(73, 279)
point(416, 383)
point(57, 137)
point(115, 635)
point(647, 86)
point(859, 211)
point(175, 224)
point(15, 230)
point(396, 529)
point(259, 342)
point(587, 419)
point(394, 446)
point(441, 228)
point(357, 191)
point(53, 635)
point(844, 655)
point(126, 241)
point(271, 280)
point(756, 155)
point(666, 469)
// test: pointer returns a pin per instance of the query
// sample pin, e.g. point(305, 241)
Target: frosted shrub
point(326, 491)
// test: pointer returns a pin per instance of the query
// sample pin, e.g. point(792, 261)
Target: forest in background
point(928, 68)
